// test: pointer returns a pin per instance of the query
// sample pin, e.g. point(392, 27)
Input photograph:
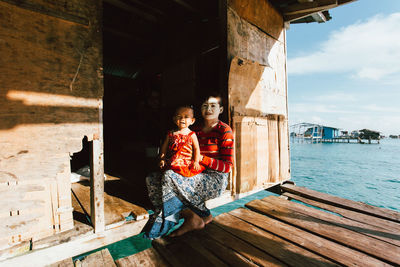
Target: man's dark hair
point(216, 94)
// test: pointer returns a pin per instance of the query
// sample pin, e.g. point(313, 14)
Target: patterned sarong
point(170, 193)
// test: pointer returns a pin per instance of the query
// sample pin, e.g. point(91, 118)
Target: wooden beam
point(308, 7)
point(97, 186)
point(32, 6)
point(155, 10)
point(97, 178)
point(319, 17)
point(129, 8)
point(290, 18)
point(186, 5)
point(75, 246)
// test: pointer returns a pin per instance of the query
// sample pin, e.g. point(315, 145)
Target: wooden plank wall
point(257, 93)
point(50, 98)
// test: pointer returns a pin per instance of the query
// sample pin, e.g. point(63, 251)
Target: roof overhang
point(305, 11)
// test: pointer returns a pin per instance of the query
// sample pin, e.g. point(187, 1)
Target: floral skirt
point(170, 193)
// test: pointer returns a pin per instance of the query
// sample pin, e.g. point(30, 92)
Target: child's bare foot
point(207, 219)
point(192, 222)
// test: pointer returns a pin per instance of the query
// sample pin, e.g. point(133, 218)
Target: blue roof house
point(320, 131)
point(329, 132)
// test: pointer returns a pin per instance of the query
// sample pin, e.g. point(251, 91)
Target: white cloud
point(318, 108)
point(335, 97)
point(366, 50)
point(376, 108)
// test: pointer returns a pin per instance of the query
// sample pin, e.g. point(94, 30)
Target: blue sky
point(346, 72)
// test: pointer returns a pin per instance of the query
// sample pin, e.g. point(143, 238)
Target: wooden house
point(101, 77)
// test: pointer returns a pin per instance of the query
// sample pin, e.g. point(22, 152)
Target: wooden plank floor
point(115, 209)
point(275, 231)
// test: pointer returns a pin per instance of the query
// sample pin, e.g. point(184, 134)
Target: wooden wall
point(257, 93)
point(50, 98)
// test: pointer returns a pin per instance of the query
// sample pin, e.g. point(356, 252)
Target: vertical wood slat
point(262, 154)
point(245, 153)
point(97, 178)
point(284, 162)
point(97, 186)
point(273, 145)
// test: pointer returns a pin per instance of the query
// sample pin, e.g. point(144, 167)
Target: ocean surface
point(362, 172)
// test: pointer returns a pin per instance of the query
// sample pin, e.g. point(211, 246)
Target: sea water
point(362, 172)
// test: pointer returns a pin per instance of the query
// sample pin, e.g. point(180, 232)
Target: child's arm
point(196, 152)
point(163, 152)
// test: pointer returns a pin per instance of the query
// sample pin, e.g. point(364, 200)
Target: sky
point(345, 73)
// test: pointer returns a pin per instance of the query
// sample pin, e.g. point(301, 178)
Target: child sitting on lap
point(171, 156)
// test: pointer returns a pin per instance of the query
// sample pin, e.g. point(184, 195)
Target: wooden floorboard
point(100, 258)
point(327, 248)
point(227, 255)
point(183, 252)
point(146, 258)
point(377, 248)
point(341, 202)
point(245, 249)
point(360, 227)
point(64, 263)
point(353, 215)
point(275, 246)
point(273, 231)
point(279, 232)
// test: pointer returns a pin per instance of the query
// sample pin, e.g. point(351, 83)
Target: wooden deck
point(277, 232)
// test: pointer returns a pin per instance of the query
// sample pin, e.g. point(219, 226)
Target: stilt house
point(94, 82)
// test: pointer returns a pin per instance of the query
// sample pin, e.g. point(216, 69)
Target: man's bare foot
point(207, 219)
point(192, 222)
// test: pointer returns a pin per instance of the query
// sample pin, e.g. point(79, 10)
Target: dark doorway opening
point(157, 55)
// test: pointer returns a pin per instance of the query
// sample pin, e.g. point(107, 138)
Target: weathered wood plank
point(231, 257)
point(245, 249)
point(97, 185)
point(273, 145)
point(115, 209)
point(100, 258)
point(51, 82)
point(353, 215)
point(252, 90)
point(32, 6)
point(262, 156)
point(180, 253)
point(277, 209)
point(261, 14)
point(329, 249)
point(361, 227)
point(79, 245)
point(64, 263)
point(245, 148)
point(80, 230)
point(15, 250)
point(146, 258)
point(284, 159)
point(273, 245)
point(343, 203)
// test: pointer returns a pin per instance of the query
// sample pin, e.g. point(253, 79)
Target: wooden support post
point(97, 178)
point(97, 186)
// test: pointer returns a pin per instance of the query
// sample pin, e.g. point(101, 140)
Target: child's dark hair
point(184, 106)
